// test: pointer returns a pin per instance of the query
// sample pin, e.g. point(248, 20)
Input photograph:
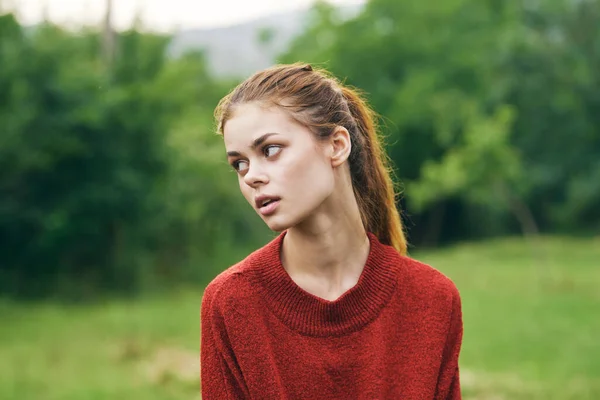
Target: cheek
point(308, 175)
point(246, 190)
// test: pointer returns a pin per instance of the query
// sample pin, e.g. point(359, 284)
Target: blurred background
point(117, 205)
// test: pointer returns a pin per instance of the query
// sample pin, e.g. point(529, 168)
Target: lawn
point(531, 315)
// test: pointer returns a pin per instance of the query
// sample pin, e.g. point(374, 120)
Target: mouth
point(267, 205)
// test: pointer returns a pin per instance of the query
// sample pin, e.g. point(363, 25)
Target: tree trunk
point(108, 36)
point(530, 230)
point(432, 235)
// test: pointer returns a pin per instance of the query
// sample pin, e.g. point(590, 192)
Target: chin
point(277, 226)
point(278, 223)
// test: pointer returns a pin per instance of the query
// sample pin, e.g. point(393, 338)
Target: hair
point(317, 100)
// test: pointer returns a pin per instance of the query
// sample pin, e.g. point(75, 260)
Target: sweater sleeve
point(221, 377)
point(448, 386)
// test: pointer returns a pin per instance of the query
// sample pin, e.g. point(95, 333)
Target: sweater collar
point(314, 316)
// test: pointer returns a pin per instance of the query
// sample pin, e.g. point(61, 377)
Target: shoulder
point(423, 281)
point(227, 287)
point(415, 279)
point(235, 287)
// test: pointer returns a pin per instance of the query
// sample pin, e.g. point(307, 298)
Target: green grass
point(531, 316)
point(146, 349)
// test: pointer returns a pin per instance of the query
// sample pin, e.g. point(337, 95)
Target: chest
point(390, 358)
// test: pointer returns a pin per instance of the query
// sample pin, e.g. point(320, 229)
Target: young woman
point(332, 308)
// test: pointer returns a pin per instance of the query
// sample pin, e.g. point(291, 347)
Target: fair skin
point(307, 183)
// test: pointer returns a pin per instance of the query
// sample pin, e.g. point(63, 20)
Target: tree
point(80, 155)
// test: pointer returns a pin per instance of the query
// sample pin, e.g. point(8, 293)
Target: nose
point(255, 177)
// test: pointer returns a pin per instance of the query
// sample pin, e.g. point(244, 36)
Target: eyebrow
point(257, 142)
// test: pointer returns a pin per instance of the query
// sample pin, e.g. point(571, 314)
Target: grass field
point(531, 315)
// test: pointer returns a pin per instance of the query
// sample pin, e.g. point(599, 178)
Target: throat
point(324, 288)
point(327, 272)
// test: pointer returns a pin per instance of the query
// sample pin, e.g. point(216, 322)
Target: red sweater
point(395, 335)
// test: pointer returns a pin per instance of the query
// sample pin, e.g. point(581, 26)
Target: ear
point(340, 145)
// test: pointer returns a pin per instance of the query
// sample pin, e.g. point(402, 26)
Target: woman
point(331, 308)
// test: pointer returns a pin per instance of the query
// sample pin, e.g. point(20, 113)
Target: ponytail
point(371, 175)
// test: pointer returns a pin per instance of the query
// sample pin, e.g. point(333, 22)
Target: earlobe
point(341, 145)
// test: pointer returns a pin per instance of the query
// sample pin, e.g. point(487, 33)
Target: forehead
point(252, 120)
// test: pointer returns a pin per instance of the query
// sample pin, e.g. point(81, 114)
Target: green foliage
point(554, 74)
point(79, 159)
point(490, 108)
point(109, 168)
point(112, 177)
point(475, 169)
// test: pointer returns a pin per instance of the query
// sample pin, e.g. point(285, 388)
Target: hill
point(236, 51)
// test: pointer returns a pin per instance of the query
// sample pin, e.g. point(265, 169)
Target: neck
point(325, 255)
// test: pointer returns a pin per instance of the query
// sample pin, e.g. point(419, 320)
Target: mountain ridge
point(236, 51)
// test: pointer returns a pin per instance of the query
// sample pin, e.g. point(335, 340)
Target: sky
point(161, 15)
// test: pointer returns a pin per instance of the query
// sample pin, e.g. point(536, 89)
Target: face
point(283, 171)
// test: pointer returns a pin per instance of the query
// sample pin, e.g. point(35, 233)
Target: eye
point(271, 150)
point(240, 165)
